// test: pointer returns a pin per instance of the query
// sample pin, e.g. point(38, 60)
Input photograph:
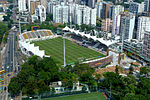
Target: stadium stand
point(49, 32)
point(25, 36)
point(96, 45)
point(41, 33)
point(100, 62)
point(76, 37)
point(46, 34)
point(33, 35)
point(30, 35)
point(38, 35)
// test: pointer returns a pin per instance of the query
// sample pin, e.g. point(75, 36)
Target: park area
point(87, 96)
point(54, 48)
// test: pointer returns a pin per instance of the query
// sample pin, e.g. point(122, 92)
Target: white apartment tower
point(84, 15)
point(40, 11)
point(147, 5)
point(116, 24)
point(99, 9)
point(117, 9)
point(143, 25)
point(93, 17)
point(22, 5)
point(50, 6)
point(127, 26)
point(146, 46)
point(74, 13)
point(60, 13)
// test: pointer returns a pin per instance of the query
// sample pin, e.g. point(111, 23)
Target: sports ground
point(54, 48)
point(87, 96)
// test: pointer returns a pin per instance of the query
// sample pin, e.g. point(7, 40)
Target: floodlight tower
point(64, 50)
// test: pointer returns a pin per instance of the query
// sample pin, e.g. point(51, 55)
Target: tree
point(49, 17)
point(117, 69)
point(143, 86)
point(130, 84)
point(35, 76)
point(11, 6)
point(98, 76)
point(144, 70)
point(98, 22)
point(81, 69)
point(14, 87)
point(84, 88)
point(3, 29)
point(69, 79)
point(131, 69)
point(77, 26)
point(114, 81)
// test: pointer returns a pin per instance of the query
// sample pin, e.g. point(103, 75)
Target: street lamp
point(19, 25)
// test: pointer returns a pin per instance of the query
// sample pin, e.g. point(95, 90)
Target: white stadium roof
point(106, 42)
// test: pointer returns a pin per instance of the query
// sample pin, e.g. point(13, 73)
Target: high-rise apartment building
point(136, 8)
point(91, 3)
point(143, 25)
point(50, 6)
point(74, 13)
point(127, 26)
point(146, 46)
point(116, 10)
point(40, 11)
point(106, 25)
point(147, 5)
point(93, 17)
point(99, 7)
point(22, 5)
point(60, 13)
point(82, 15)
point(33, 4)
point(116, 24)
point(106, 11)
point(44, 3)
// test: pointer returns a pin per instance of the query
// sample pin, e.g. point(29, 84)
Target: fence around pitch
point(67, 93)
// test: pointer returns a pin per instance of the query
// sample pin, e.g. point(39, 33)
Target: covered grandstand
point(30, 49)
point(36, 35)
point(101, 40)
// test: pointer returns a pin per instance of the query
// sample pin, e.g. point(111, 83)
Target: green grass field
point(87, 96)
point(54, 48)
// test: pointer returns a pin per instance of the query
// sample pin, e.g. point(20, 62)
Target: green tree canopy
point(144, 70)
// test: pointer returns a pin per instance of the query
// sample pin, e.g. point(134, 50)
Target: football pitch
point(54, 48)
point(87, 96)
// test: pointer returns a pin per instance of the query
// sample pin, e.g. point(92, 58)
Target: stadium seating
point(46, 34)
point(25, 36)
point(49, 32)
point(36, 34)
point(41, 33)
point(33, 35)
point(101, 62)
point(29, 35)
